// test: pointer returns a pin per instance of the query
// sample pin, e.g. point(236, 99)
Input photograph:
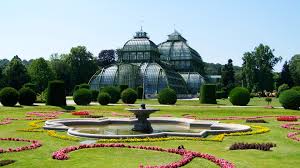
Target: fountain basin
point(194, 128)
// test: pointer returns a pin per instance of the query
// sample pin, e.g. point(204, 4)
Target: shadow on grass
point(68, 108)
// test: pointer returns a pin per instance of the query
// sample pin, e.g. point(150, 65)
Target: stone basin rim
point(216, 127)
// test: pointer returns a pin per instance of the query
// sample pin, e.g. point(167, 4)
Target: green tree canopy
point(285, 76)
point(82, 65)
point(16, 73)
point(228, 80)
point(257, 68)
point(295, 69)
point(40, 73)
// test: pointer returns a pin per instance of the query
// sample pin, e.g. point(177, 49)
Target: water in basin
point(125, 129)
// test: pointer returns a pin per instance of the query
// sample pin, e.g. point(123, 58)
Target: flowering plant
point(293, 136)
point(187, 156)
point(81, 113)
point(258, 146)
point(34, 144)
point(291, 126)
point(287, 118)
point(64, 137)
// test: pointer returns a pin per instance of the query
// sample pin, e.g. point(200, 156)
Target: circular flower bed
point(187, 156)
point(34, 144)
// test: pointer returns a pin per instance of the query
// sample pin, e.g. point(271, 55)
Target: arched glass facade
point(141, 63)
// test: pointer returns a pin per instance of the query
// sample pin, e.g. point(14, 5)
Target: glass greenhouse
point(142, 63)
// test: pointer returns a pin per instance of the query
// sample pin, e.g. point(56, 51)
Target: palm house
point(142, 63)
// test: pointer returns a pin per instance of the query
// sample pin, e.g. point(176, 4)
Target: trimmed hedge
point(239, 96)
point(221, 94)
point(56, 94)
point(95, 94)
point(139, 91)
point(31, 86)
point(27, 96)
point(114, 93)
point(104, 98)
point(297, 88)
point(167, 96)
point(82, 96)
point(129, 96)
point(9, 96)
point(208, 94)
point(81, 86)
point(290, 99)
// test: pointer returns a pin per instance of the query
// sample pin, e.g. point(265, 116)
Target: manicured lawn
point(286, 154)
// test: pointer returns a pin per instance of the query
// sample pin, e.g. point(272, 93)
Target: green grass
point(286, 154)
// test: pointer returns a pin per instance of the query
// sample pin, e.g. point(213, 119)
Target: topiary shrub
point(290, 99)
point(239, 96)
point(56, 94)
point(95, 94)
point(167, 96)
point(129, 96)
point(114, 93)
point(123, 87)
point(208, 94)
point(282, 88)
point(27, 96)
point(84, 86)
point(9, 96)
point(82, 96)
point(31, 86)
point(103, 98)
point(139, 91)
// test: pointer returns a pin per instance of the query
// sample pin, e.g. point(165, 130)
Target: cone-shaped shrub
point(208, 94)
point(9, 96)
point(27, 96)
point(239, 96)
point(139, 91)
point(290, 99)
point(167, 96)
point(56, 95)
point(129, 96)
point(82, 96)
point(103, 98)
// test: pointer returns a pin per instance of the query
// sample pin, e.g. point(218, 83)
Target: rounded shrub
point(129, 96)
point(114, 93)
point(167, 96)
point(9, 96)
point(82, 96)
point(123, 87)
point(103, 98)
point(56, 93)
point(239, 96)
point(31, 86)
point(95, 94)
point(27, 96)
point(208, 94)
point(282, 88)
point(84, 86)
point(290, 99)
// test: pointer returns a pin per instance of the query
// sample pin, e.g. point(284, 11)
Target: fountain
point(142, 124)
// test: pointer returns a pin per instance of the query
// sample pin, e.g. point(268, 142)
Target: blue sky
point(218, 30)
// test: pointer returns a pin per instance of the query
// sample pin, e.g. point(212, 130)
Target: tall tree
point(227, 79)
point(285, 76)
point(16, 73)
point(62, 70)
point(82, 65)
point(295, 69)
point(106, 57)
point(257, 68)
point(40, 73)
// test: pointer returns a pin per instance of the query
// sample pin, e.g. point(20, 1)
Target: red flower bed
point(287, 118)
point(187, 156)
point(81, 113)
point(34, 144)
point(258, 146)
point(5, 121)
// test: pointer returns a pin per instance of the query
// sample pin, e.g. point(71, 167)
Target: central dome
point(139, 49)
